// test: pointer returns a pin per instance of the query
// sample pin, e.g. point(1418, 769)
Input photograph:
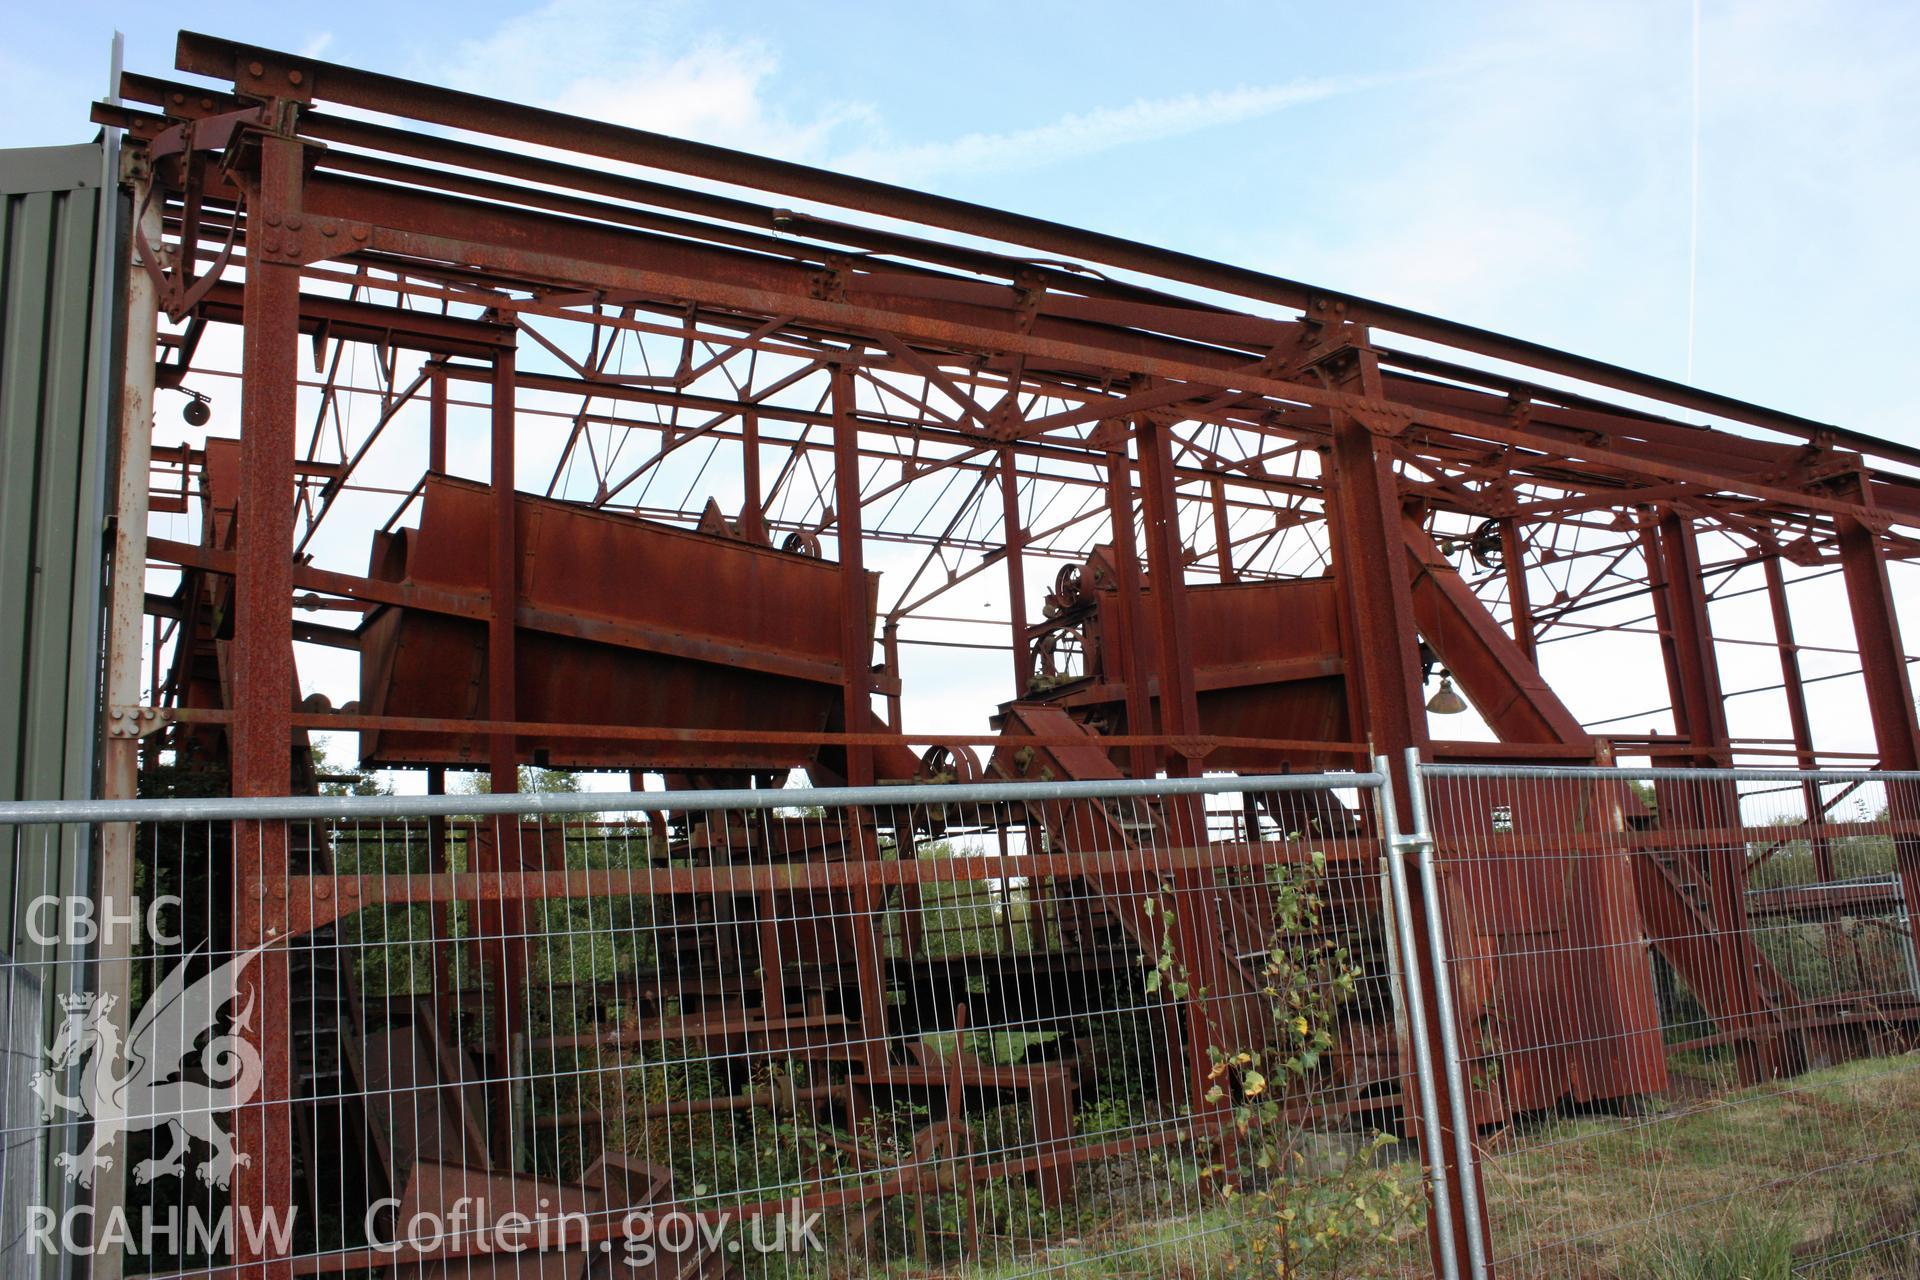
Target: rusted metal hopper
point(1267, 664)
point(621, 621)
point(1266, 661)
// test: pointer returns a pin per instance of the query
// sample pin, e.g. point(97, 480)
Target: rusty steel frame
point(1279, 435)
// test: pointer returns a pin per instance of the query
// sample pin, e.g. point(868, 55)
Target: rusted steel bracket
point(137, 722)
point(186, 147)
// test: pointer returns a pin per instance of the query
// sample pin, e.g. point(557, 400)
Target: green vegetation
point(1793, 861)
point(1818, 1176)
point(1805, 1176)
point(1811, 1176)
point(1304, 1198)
point(970, 916)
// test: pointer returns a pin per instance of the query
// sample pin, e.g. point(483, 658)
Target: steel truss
point(855, 368)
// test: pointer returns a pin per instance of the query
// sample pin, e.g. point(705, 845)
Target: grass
point(1797, 1177)
point(1198, 1245)
point(1814, 1176)
point(1148, 1234)
point(1818, 1176)
point(1745, 1245)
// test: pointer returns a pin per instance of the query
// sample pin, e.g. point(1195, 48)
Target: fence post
point(1393, 848)
point(1420, 843)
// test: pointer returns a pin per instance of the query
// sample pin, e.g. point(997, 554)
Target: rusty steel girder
point(1274, 521)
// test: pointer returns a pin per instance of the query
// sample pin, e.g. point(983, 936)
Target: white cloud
point(1545, 194)
point(714, 94)
point(1090, 132)
point(645, 67)
point(658, 67)
point(1541, 192)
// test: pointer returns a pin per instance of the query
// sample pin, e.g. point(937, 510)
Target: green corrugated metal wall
point(50, 490)
point(55, 346)
point(52, 481)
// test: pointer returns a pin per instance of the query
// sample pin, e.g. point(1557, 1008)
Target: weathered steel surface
point(622, 621)
point(1267, 659)
point(1265, 656)
point(1125, 379)
point(1560, 987)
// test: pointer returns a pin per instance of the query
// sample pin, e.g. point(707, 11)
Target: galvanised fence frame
point(1162, 1028)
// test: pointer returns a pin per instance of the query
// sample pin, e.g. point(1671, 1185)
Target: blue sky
point(1526, 168)
point(1523, 167)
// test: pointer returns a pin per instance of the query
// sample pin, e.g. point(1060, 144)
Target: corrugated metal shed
point(52, 433)
point(57, 246)
point(51, 429)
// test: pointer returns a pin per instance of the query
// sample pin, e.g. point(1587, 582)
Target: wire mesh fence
point(1140, 1029)
point(1688, 1011)
point(1157, 1029)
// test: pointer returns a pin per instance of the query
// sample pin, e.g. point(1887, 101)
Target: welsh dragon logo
point(125, 1088)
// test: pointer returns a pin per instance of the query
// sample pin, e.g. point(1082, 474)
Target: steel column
point(1513, 563)
point(1371, 564)
point(1883, 657)
point(1697, 695)
point(443, 970)
point(1167, 576)
point(1016, 542)
point(856, 656)
point(504, 925)
point(856, 604)
point(1222, 534)
point(503, 576)
point(1883, 664)
point(1136, 677)
point(120, 752)
point(1370, 561)
point(1700, 712)
point(1795, 691)
point(264, 681)
point(1790, 678)
point(437, 421)
point(1198, 919)
point(753, 518)
point(1126, 567)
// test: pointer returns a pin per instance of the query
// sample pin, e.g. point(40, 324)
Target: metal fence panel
point(1148, 1028)
point(1688, 1017)
point(1155, 1030)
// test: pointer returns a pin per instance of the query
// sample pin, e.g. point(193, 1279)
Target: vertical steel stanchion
point(1393, 845)
point(1420, 842)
